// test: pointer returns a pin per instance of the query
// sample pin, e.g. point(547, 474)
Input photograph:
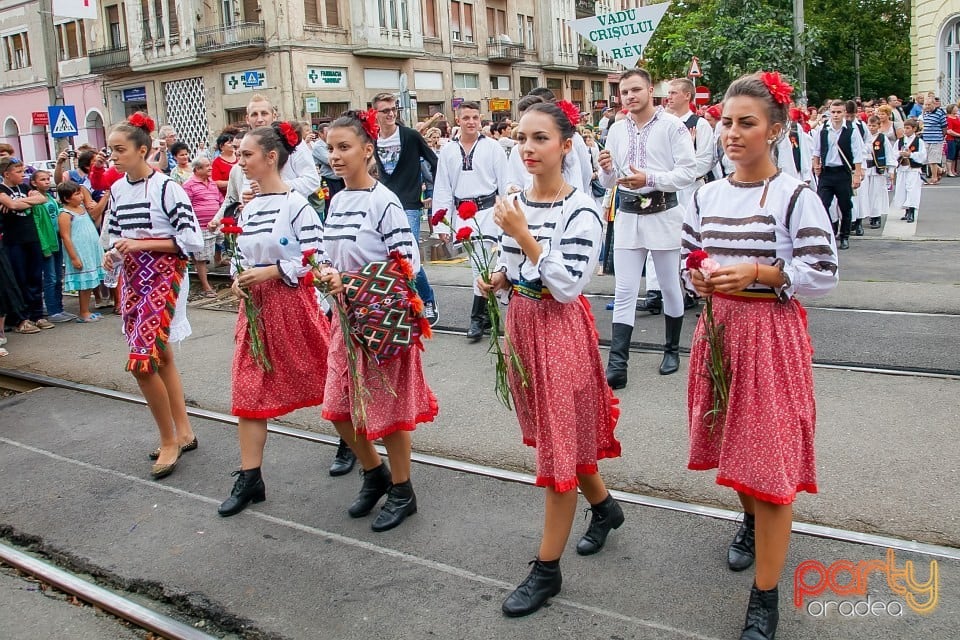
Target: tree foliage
point(734, 37)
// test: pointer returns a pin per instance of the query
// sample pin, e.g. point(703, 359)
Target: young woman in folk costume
point(365, 224)
point(278, 226)
point(152, 229)
point(550, 246)
point(770, 240)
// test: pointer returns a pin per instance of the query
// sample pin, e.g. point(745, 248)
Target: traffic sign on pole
point(694, 68)
point(703, 95)
point(63, 120)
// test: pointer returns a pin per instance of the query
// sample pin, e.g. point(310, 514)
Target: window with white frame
point(393, 15)
point(500, 83)
point(950, 63)
point(461, 21)
point(17, 51)
point(466, 81)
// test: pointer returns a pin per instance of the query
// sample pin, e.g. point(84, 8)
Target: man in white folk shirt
point(650, 156)
point(679, 96)
point(472, 169)
point(837, 158)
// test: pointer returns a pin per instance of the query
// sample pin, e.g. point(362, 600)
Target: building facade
point(935, 36)
point(195, 64)
point(23, 84)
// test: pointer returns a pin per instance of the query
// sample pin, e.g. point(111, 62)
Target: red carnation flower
point(696, 258)
point(368, 119)
point(779, 88)
point(438, 217)
point(464, 234)
point(142, 121)
point(290, 134)
point(307, 255)
point(308, 278)
point(467, 210)
point(570, 110)
point(228, 222)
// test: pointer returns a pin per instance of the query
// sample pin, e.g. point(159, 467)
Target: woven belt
point(647, 203)
point(482, 202)
point(749, 296)
point(532, 290)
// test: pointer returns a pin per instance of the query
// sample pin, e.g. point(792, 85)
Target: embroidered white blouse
point(155, 208)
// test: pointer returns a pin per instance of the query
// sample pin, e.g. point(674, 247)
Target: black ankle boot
point(401, 502)
point(763, 615)
point(742, 550)
point(858, 228)
point(619, 354)
point(652, 302)
point(477, 315)
point(376, 482)
point(248, 488)
point(344, 460)
point(911, 214)
point(543, 583)
point(671, 346)
point(606, 516)
point(874, 223)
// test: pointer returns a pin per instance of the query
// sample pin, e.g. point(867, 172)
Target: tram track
point(27, 380)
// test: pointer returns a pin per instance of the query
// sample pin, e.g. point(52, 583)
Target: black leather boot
point(401, 502)
point(911, 215)
point(477, 315)
point(376, 483)
point(606, 516)
point(652, 302)
point(874, 223)
point(344, 460)
point(690, 302)
point(671, 347)
point(858, 228)
point(906, 214)
point(742, 550)
point(619, 354)
point(248, 488)
point(763, 615)
point(543, 583)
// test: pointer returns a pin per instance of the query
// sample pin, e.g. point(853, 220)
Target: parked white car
point(46, 165)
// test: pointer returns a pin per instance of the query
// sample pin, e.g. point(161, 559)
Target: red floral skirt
point(296, 334)
point(387, 413)
point(764, 446)
point(567, 411)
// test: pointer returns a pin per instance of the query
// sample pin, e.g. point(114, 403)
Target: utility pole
point(856, 69)
point(51, 58)
point(798, 27)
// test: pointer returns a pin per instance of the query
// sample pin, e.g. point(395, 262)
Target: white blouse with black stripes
point(155, 208)
point(791, 227)
point(277, 229)
point(569, 232)
point(364, 226)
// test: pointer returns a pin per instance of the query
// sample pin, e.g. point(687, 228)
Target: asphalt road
point(297, 567)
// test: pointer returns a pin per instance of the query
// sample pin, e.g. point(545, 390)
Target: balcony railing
point(241, 35)
point(586, 8)
point(108, 59)
point(588, 61)
point(504, 52)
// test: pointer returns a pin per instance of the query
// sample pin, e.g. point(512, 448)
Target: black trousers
point(836, 182)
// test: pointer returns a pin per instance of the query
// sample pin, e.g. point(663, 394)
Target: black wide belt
point(482, 202)
point(647, 203)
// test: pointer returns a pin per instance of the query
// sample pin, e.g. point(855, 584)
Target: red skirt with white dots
point(410, 403)
point(296, 334)
point(764, 445)
point(567, 411)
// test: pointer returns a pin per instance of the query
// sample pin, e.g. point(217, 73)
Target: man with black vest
point(837, 162)
point(859, 127)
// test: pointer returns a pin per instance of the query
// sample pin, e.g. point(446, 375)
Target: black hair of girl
point(224, 138)
point(178, 147)
point(36, 174)
point(527, 101)
point(139, 136)
point(351, 120)
point(752, 86)
point(66, 189)
point(270, 139)
point(560, 119)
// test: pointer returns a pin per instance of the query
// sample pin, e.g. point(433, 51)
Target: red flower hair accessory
point(570, 110)
point(368, 120)
point(467, 209)
point(714, 111)
point(290, 135)
point(796, 115)
point(779, 88)
point(142, 121)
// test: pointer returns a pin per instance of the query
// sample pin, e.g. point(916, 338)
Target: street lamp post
point(798, 26)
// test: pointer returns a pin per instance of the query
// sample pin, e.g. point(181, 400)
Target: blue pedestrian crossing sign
point(63, 121)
